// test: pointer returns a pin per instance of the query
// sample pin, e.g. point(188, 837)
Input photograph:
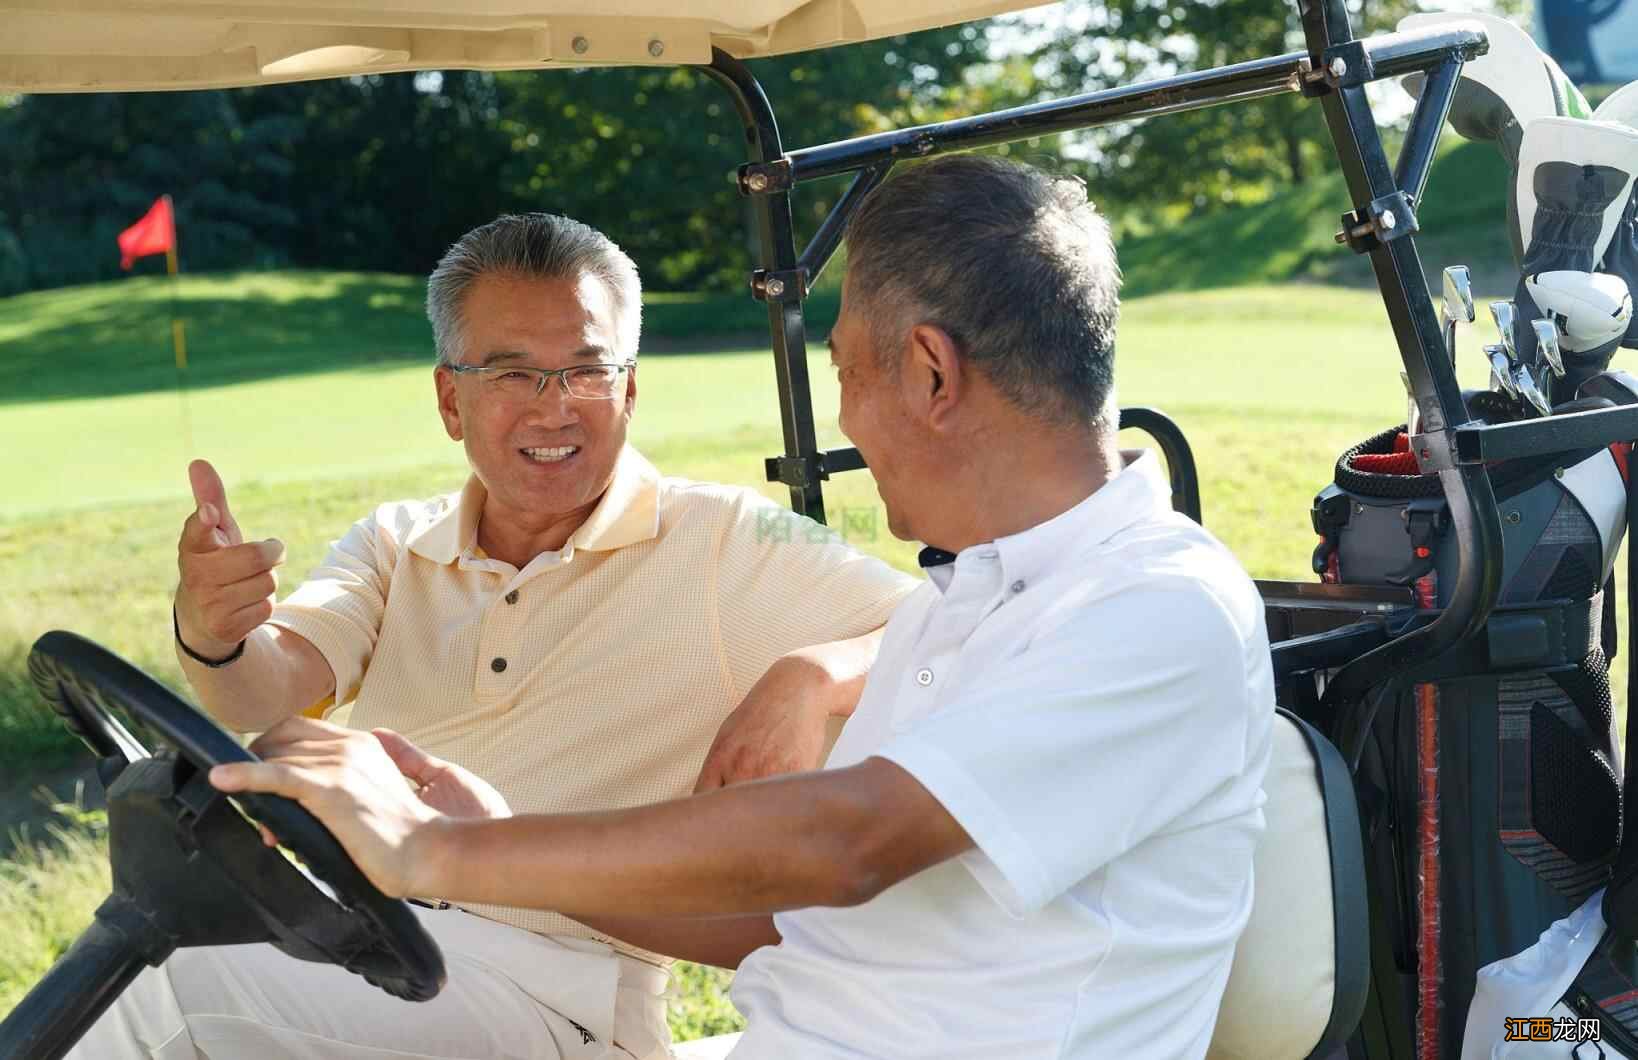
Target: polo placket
point(501, 663)
point(971, 594)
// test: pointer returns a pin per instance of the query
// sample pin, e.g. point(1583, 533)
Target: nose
point(552, 406)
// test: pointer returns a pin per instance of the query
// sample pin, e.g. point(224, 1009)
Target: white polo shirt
point(1092, 700)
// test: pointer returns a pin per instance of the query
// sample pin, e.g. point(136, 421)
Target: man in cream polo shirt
point(572, 626)
point(1034, 838)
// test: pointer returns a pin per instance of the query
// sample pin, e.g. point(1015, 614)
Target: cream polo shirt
point(1092, 699)
point(596, 677)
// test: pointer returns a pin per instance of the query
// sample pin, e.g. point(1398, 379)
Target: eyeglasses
point(518, 382)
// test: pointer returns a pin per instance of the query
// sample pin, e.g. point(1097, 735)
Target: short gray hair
point(539, 246)
point(1014, 263)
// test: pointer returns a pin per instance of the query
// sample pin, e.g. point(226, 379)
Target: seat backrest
point(1301, 970)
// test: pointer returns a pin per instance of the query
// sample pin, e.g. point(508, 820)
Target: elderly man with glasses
point(571, 626)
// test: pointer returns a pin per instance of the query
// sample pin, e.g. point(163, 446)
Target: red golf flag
point(154, 234)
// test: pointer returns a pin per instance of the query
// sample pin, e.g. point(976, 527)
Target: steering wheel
point(188, 869)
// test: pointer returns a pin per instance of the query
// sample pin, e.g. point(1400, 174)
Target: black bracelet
point(176, 628)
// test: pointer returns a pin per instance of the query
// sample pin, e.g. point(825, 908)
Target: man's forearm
point(722, 941)
point(832, 838)
point(280, 674)
point(848, 663)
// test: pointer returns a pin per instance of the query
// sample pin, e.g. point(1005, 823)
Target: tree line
point(384, 172)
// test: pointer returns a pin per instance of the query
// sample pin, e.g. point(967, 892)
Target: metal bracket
point(1343, 66)
point(786, 285)
point(765, 178)
point(1383, 221)
point(1435, 451)
point(799, 472)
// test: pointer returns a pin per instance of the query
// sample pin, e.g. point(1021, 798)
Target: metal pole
point(777, 249)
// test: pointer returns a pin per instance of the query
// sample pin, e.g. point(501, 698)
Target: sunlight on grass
point(48, 891)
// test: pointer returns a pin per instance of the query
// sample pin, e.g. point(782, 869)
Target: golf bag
point(1489, 780)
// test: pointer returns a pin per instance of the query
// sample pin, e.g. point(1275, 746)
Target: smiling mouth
point(550, 455)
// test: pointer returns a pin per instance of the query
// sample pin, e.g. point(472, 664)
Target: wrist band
point(176, 628)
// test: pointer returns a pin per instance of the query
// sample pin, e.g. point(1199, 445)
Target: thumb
point(211, 497)
point(411, 761)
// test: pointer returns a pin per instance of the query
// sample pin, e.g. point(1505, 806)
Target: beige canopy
point(126, 45)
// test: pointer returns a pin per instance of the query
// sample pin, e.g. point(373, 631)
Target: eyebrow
point(585, 353)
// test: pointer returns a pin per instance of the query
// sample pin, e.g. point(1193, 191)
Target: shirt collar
point(1136, 492)
point(1139, 491)
point(627, 513)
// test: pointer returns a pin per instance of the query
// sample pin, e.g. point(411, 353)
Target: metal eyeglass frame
point(543, 374)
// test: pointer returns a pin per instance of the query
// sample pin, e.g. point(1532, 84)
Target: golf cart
point(1438, 797)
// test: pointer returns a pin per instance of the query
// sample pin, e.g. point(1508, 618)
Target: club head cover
point(1620, 106)
point(1589, 308)
point(1621, 259)
point(1592, 312)
point(1506, 88)
point(1571, 188)
point(1501, 92)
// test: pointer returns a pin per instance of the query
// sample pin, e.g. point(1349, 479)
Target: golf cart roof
point(133, 45)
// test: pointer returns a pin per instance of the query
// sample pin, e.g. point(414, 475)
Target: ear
point(631, 391)
point(449, 409)
point(934, 376)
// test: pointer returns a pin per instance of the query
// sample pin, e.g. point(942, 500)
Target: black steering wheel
point(188, 869)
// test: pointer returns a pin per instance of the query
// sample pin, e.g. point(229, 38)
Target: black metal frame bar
point(783, 279)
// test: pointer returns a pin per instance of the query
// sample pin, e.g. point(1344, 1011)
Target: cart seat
point(1297, 986)
point(1302, 967)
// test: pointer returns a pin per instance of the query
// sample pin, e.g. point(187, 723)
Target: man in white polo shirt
point(1034, 837)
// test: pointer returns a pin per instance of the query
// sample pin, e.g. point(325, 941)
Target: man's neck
point(517, 538)
point(1007, 489)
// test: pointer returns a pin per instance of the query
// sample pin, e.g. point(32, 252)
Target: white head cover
point(1620, 106)
point(1579, 143)
point(1591, 309)
point(1520, 82)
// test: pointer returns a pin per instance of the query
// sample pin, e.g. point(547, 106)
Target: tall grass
point(48, 890)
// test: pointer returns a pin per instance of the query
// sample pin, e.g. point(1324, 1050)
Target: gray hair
point(532, 246)
point(1015, 264)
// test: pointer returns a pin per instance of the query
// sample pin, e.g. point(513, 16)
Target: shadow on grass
point(115, 338)
point(31, 736)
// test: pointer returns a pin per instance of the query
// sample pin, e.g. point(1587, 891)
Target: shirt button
point(498, 665)
point(924, 677)
point(1018, 586)
point(512, 597)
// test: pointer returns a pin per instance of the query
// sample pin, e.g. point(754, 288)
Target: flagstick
point(179, 347)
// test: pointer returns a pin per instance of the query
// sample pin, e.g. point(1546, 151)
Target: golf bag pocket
point(1558, 998)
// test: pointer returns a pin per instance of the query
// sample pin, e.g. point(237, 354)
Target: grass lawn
point(330, 411)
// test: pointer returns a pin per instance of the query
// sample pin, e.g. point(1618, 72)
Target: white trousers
point(510, 994)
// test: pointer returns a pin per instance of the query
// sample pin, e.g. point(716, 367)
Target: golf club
point(1505, 314)
point(1547, 345)
point(1525, 382)
point(1501, 370)
point(1457, 304)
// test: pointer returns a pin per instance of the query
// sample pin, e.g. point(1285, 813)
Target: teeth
point(557, 453)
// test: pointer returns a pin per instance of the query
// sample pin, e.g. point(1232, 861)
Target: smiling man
point(572, 626)
point(1034, 837)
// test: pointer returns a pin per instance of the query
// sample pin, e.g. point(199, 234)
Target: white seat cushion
point(1283, 980)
